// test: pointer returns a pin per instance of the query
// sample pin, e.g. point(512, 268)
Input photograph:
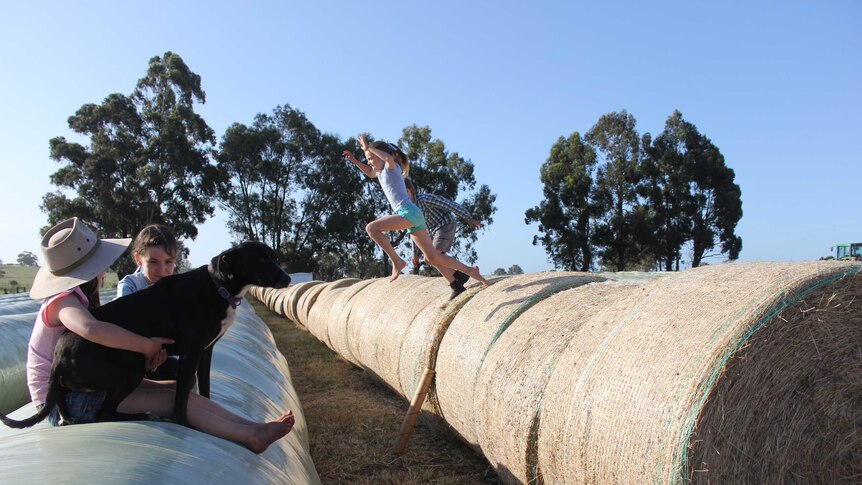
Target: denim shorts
point(82, 406)
point(411, 212)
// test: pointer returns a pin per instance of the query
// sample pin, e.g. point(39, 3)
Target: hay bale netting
point(15, 333)
point(306, 301)
point(383, 337)
point(336, 324)
point(475, 330)
point(249, 377)
point(278, 300)
point(511, 384)
point(422, 341)
point(318, 314)
point(292, 300)
point(673, 368)
point(269, 297)
point(377, 300)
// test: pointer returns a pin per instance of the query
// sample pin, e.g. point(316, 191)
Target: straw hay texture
point(516, 370)
point(625, 410)
point(327, 301)
point(791, 397)
point(473, 333)
point(306, 301)
point(336, 327)
point(748, 372)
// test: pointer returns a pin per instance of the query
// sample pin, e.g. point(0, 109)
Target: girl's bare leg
point(438, 259)
point(159, 400)
point(376, 229)
point(205, 403)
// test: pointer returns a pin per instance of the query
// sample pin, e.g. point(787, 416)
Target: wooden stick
point(413, 412)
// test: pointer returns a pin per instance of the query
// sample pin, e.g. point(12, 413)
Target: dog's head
point(250, 263)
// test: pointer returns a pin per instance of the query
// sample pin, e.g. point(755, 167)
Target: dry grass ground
point(353, 421)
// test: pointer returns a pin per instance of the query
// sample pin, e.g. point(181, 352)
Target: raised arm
point(367, 169)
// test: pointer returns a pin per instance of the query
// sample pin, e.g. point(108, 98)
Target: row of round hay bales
point(747, 372)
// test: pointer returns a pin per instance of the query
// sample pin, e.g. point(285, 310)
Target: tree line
point(152, 159)
point(616, 200)
point(612, 199)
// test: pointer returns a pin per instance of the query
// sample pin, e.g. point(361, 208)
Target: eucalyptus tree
point(695, 197)
point(147, 158)
point(267, 164)
point(717, 204)
point(621, 233)
point(567, 215)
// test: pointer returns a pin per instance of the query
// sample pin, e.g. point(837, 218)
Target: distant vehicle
point(846, 252)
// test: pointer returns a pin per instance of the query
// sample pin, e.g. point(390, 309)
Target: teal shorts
point(414, 216)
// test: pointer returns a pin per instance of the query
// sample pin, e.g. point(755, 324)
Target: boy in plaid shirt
point(441, 226)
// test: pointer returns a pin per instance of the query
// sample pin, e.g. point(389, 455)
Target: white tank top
point(392, 182)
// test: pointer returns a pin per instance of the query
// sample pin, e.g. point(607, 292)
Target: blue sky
point(776, 85)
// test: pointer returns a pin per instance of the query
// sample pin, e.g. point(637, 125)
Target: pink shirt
point(44, 338)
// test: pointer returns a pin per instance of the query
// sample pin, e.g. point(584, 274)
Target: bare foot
point(268, 433)
point(476, 275)
point(397, 266)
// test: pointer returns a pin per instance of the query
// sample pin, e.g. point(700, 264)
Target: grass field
point(24, 275)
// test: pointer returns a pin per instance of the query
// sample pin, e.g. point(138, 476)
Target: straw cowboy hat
point(73, 255)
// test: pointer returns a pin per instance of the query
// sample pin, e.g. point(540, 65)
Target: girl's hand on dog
point(157, 355)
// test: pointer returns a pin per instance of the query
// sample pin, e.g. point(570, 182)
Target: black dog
point(190, 308)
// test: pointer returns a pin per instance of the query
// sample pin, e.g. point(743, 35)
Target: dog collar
point(222, 291)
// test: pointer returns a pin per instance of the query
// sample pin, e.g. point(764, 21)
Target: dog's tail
point(50, 401)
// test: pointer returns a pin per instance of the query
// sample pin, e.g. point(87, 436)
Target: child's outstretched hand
point(349, 156)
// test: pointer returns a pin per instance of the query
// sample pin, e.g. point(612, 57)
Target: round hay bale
point(339, 318)
point(282, 302)
point(376, 320)
point(624, 408)
point(306, 301)
point(264, 294)
point(292, 301)
point(475, 330)
point(394, 324)
point(255, 291)
point(19, 306)
point(271, 294)
point(516, 370)
point(422, 341)
point(318, 315)
point(278, 301)
point(791, 397)
point(371, 301)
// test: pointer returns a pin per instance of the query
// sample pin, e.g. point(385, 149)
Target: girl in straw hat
point(388, 164)
point(69, 281)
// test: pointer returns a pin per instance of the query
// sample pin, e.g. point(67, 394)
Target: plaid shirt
point(438, 210)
